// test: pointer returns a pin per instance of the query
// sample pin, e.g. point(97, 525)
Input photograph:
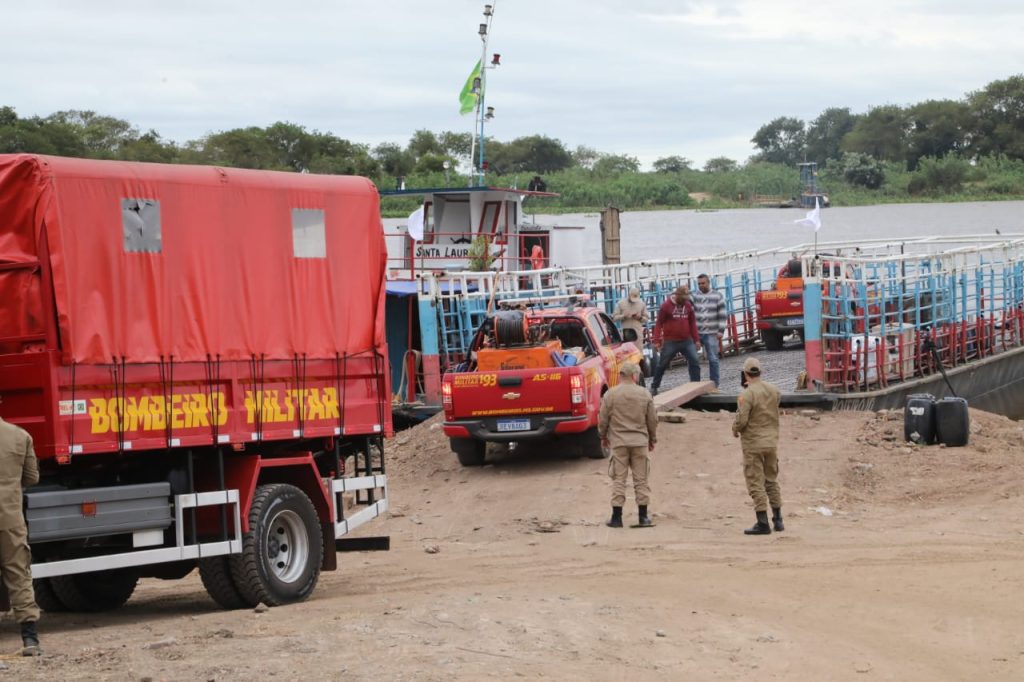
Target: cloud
point(649, 78)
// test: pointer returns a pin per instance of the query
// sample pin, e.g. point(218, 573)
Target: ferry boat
point(883, 319)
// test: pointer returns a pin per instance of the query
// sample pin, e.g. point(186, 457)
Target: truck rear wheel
point(97, 591)
point(772, 339)
point(590, 444)
point(46, 598)
point(215, 573)
point(283, 550)
point(471, 452)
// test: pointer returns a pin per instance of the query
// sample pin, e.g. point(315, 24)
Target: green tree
point(393, 160)
point(781, 141)
point(862, 170)
point(615, 164)
point(102, 136)
point(8, 116)
point(585, 157)
point(825, 133)
point(293, 146)
point(424, 142)
point(149, 147)
point(720, 164)
point(997, 113)
point(672, 164)
point(456, 145)
point(936, 128)
point(880, 133)
point(939, 176)
point(534, 153)
point(430, 163)
point(337, 156)
point(238, 148)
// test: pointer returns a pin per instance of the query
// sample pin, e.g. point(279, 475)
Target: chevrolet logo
point(511, 395)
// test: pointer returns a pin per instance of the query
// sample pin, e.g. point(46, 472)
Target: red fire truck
point(535, 373)
point(199, 356)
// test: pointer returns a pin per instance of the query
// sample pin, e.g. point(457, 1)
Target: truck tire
point(96, 591)
point(772, 339)
point(590, 444)
point(283, 550)
point(46, 598)
point(471, 452)
point(215, 572)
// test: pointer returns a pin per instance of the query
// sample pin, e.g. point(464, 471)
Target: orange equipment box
point(534, 357)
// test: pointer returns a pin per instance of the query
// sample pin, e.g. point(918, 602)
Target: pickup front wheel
point(469, 451)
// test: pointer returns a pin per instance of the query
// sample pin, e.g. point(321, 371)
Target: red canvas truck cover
point(113, 274)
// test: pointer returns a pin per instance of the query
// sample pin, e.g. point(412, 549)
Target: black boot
point(761, 527)
point(30, 639)
point(616, 520)
point(777, 519)
point(644, 520)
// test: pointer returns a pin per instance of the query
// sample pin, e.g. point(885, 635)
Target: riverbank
point(898, 562)
point(712, 202)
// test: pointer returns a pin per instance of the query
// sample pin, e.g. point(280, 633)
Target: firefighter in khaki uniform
point(18, 469)
point(628, 424)
point(757, 424)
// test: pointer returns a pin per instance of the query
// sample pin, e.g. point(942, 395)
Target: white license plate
point(797, 322)
point(513, 425)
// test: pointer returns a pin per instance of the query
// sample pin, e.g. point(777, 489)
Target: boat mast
point(483, 114)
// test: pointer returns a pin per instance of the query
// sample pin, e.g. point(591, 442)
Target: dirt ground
point(898, 563)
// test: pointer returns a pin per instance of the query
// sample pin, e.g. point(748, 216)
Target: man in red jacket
point(675, 332)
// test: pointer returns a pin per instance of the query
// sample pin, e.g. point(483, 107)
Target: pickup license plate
point(513, 425)
point(795, 322)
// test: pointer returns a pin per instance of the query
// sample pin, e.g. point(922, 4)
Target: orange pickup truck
point(780, 310)
point(535, 374)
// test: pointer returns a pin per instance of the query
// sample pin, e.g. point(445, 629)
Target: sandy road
point(915, 576)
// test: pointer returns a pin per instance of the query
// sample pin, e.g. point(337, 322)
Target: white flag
point(416, 224)
point(813, 218)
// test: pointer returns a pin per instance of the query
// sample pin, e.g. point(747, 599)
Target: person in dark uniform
point(757, 425)
point(537, 185)
point(18, 469)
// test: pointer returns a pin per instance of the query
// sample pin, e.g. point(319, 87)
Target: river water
point(681, 234)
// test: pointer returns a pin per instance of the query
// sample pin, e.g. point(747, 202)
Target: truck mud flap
point(380, 543)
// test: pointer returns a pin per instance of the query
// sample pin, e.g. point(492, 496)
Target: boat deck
point(780, 367)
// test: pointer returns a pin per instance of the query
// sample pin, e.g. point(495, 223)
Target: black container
point(919, 418)
point(952, 422)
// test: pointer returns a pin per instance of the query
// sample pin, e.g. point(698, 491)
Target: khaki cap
point(752, 366)
point(634, 293)
point(629, 369)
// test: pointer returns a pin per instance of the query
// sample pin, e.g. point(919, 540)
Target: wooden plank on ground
point(680, 395)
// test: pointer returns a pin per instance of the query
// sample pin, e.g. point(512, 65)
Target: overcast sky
point(650, 78)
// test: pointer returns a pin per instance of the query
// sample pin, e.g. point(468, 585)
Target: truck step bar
point(374, 504)
point(339, 486)
point(181, 551)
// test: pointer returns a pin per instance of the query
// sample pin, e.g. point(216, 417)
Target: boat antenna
point(483, 113)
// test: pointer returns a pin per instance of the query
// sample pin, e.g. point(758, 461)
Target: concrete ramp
point(680, 395)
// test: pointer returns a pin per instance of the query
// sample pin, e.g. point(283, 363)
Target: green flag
point(468, 98)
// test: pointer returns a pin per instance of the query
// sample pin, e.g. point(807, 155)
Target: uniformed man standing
point(18, 469)
point(628, 424)
point(757, 424)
